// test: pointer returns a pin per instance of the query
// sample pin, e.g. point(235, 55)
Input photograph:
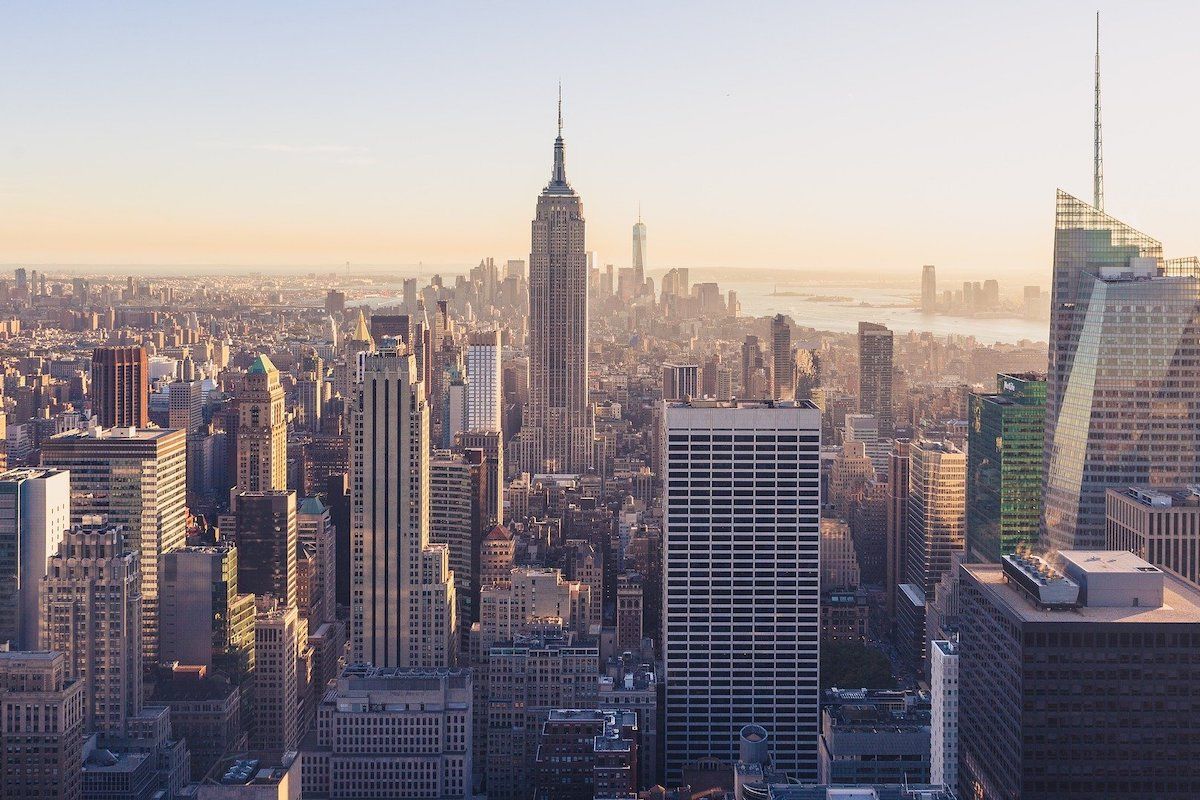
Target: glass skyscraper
point(1004, 466)
point(1123, 389)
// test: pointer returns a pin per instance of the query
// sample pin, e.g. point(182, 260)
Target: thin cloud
point(350, 151)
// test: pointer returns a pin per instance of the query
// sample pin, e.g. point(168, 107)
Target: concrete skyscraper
point(402, 592)
point(92, 613)
point(741, 608)
point(121, 387)
point(262, 430)
point(1113, 419)
point(558, 427)
point(135, 478)
point(875, 374)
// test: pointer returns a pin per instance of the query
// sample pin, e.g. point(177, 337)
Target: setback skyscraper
point(1123, 390)
point(261, 430)
point(558, 427)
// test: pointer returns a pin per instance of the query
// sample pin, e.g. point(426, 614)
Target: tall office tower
point(680, 381)
point(310, 391)
point(454, 508)
point(391, 326)
point(402, 595)
point(410, 295)
point(41, 727)
point(492, 445)
point(1160, 524)
point(756, 377)
point(335, 302)
point(92, 613)
point(393, 733)
point(206, 621)
point(263, 527)
point(136, 479)
point(527, 679)
point(1110, 421)
point(185, 407)
point(937, 497)
point(783, 364)
point(928, 289)
point(484, 374)
point(35, 510)
point(316, 539)
point(943, 733)
point(765, 529)
point(276, 677)
point(899, 468)
point(454, 406)
point(1005, 436)
point(262, 430)
point(1070, 676)
point(639, 252)
point(121, 387)
point(558, 429)
point(875, 374)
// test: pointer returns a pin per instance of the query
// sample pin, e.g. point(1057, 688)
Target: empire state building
point(558, 428)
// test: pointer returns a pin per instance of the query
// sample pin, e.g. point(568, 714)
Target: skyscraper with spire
point(1122, 391)
point(558, 428)
point(639, 251)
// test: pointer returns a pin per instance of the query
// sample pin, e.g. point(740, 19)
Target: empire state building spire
point(558, 178)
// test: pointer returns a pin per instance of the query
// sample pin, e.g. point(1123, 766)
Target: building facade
point(35, 510)
point(875, 374)
point(41, 726)
point(121, 387)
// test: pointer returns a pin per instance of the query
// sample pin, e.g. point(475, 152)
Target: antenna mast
point(1098, 155)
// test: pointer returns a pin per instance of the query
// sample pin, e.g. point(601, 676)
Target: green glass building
point(1004, 466)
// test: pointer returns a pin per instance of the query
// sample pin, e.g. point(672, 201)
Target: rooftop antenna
point(1098, 163)
point(560, 87)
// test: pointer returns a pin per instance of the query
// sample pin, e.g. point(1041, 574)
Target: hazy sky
point(857, 136)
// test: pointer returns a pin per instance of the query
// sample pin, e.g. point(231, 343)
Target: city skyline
point(264, 160)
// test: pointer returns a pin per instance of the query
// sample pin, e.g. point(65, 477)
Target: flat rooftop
point(1113, 562)
point(1181, 601)
point(1161, 497)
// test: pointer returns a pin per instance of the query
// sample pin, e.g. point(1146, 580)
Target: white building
point(402, 590)
point(943, 690)
point(393, 733)
point(35, 510)
point(741, 608)
point(484, 375)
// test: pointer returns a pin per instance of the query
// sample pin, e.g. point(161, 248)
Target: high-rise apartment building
point(402, 594)
point(928, 289)
point(527, 598)
point(393, 733)
point(41, 727)
point(261, 430)
point(1159, 524)
point(484, 378)
point(185, 406)
point(783, 364)
point(135, 478)
point(1005, 437)
point(35, 510)
point(92, 613)
point(875, 374)
point(121, 387)
point(587, 753)
point(936, 513)
point(1071, 675)
point(1112, 420)
point(741, 615)
point(558, 427)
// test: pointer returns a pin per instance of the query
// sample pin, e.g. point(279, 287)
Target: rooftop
point(1180, 603)
point(1161, 497)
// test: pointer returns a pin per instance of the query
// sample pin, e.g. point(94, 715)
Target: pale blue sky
point(868, 136)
